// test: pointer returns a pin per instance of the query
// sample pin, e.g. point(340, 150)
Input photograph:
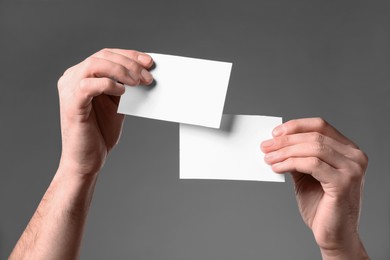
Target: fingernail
point(122, 89)
point(144, 59)
point(277, 131)
point(267, 143)
point(147, 76)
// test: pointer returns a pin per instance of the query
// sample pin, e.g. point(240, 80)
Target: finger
point(311, 125)
point(107, 112)
point(115, 99)
point(142, 58)
point(317, 168)
point(92, 87)
point(135, 68)
point(94, 67)
point(323, 152)
point(317, 139)
point(279, 142)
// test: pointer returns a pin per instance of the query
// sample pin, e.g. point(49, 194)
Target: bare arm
point(56, 228)
point(328, 172)
point(90, 127)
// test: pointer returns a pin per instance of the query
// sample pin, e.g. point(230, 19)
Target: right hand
point(89, 96)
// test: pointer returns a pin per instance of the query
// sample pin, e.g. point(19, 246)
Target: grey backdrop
point(290, 58)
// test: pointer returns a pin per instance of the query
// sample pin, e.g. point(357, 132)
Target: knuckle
point(131, 54)
point(282, 154)
point(89, 62)
point(319, 138)
point(361, 159)
point(292, 123)
point(354, 176)
point(105, 50)
point(321, 123)
point(315, 162)
point(134, 82)
point(100, 52)
point(134, 67)
point(69, 70)
point(318, 147)
point(364, 159)
point(104, 53)
point(108, 82)
point(120, 71)
point(356, 171)
point(289, 162)
point(60, 82)
point(64, 77)
point(83, 84)
point(283, 141)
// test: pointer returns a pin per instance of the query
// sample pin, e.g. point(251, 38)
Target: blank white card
point(231, 152)
point(187, 90)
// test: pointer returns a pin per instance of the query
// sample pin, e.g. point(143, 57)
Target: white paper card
point(187, 90)
point(231, 152)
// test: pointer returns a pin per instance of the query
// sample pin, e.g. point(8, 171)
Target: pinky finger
point(320, 170)
point(92, 87)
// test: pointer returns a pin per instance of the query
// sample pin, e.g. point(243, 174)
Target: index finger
point(306, 125)
point(140, 57)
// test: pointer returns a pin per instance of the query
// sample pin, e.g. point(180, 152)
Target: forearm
point(56, 228)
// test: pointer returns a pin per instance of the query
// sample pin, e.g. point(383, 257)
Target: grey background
point(290, 58)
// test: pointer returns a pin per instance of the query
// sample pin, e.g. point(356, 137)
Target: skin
point(328, 173)
point(90, 127)
point(327, 168)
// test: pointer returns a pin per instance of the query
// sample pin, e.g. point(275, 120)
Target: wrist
point(82, 170)
point(74, 191)
point(73, 176)
point(353, 250)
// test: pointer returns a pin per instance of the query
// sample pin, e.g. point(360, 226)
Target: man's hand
point(89, 94)
point(328, 172)
point(90, 128)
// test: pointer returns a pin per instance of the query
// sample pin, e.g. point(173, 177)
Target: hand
point(328, 172)
point(89, 95)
